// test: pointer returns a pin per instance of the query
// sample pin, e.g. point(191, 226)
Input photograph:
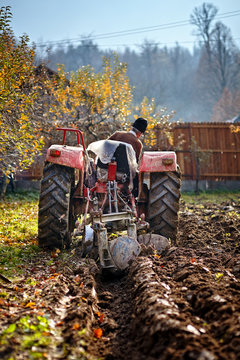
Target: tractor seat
point(122, 153)
point(123, 171)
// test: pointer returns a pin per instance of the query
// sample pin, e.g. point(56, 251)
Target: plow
point(92, 193)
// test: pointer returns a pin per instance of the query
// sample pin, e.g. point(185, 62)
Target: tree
point(97, 103)
point(74, 57)
point(19, 139)
point(158, 118)
point(219, 63)
point(224, 53)
point(202, 17)
point(227, 107)
point(201, 159)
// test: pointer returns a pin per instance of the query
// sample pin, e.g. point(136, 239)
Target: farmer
point(133, 136)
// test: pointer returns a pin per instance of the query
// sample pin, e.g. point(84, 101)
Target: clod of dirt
point(182, 305)
point(156, 242)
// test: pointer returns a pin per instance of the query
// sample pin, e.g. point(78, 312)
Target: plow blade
point(122, 250)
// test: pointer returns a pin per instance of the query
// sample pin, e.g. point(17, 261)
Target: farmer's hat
point(140, 124)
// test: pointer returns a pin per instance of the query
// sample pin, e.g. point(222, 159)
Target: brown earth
point(183, 304)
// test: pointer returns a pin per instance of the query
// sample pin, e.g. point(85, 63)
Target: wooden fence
point(218, 144)
point(215, 146)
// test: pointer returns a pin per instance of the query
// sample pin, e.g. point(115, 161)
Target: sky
point(115, 24)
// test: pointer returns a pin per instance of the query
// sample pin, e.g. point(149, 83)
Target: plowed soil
point(182, 304)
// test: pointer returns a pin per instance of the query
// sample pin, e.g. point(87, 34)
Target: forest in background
point(101, 94)
point(203, 85)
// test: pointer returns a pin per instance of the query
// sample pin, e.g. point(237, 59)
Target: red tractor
point(91, 192)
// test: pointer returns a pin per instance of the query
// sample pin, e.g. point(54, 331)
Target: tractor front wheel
point(55, 216)
point(163, 204)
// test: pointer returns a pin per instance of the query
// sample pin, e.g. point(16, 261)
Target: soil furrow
point(183, 304)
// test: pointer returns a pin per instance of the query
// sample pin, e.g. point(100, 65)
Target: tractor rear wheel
point(163, 204)
point(55, 216)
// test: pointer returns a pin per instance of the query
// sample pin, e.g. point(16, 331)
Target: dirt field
point(184, 304)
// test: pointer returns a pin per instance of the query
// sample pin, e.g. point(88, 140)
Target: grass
point(18, 225)
point(18, 231)
point(18, 218)
point(27, 318)
point(211, 196)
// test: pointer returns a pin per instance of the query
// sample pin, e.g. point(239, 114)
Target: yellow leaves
point(23, 126)
point(18, 95)
point(157, 118)
point(103, 94)
point(218, 276)
point(235, 128)
point(170, 138)
point(31, 305)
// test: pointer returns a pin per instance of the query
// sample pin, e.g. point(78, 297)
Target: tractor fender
point(158, 161)
point(71, 156)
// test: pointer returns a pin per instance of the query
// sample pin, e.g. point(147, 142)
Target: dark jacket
point(128, 138)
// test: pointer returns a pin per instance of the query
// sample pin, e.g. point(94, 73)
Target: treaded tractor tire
point(163, 204)
point(55, 217)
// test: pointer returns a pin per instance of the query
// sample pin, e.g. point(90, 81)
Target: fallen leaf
point(54, 255)
point(101, 318)
point(60, 323)
point(2, 302)
point(77, 278)
point(31, 305)
point(98, 333)
point(76, 326)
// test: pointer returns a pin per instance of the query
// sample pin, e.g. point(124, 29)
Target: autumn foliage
point(157, 118)
point(96, 103)
point(19, 140)
point(33, 103)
